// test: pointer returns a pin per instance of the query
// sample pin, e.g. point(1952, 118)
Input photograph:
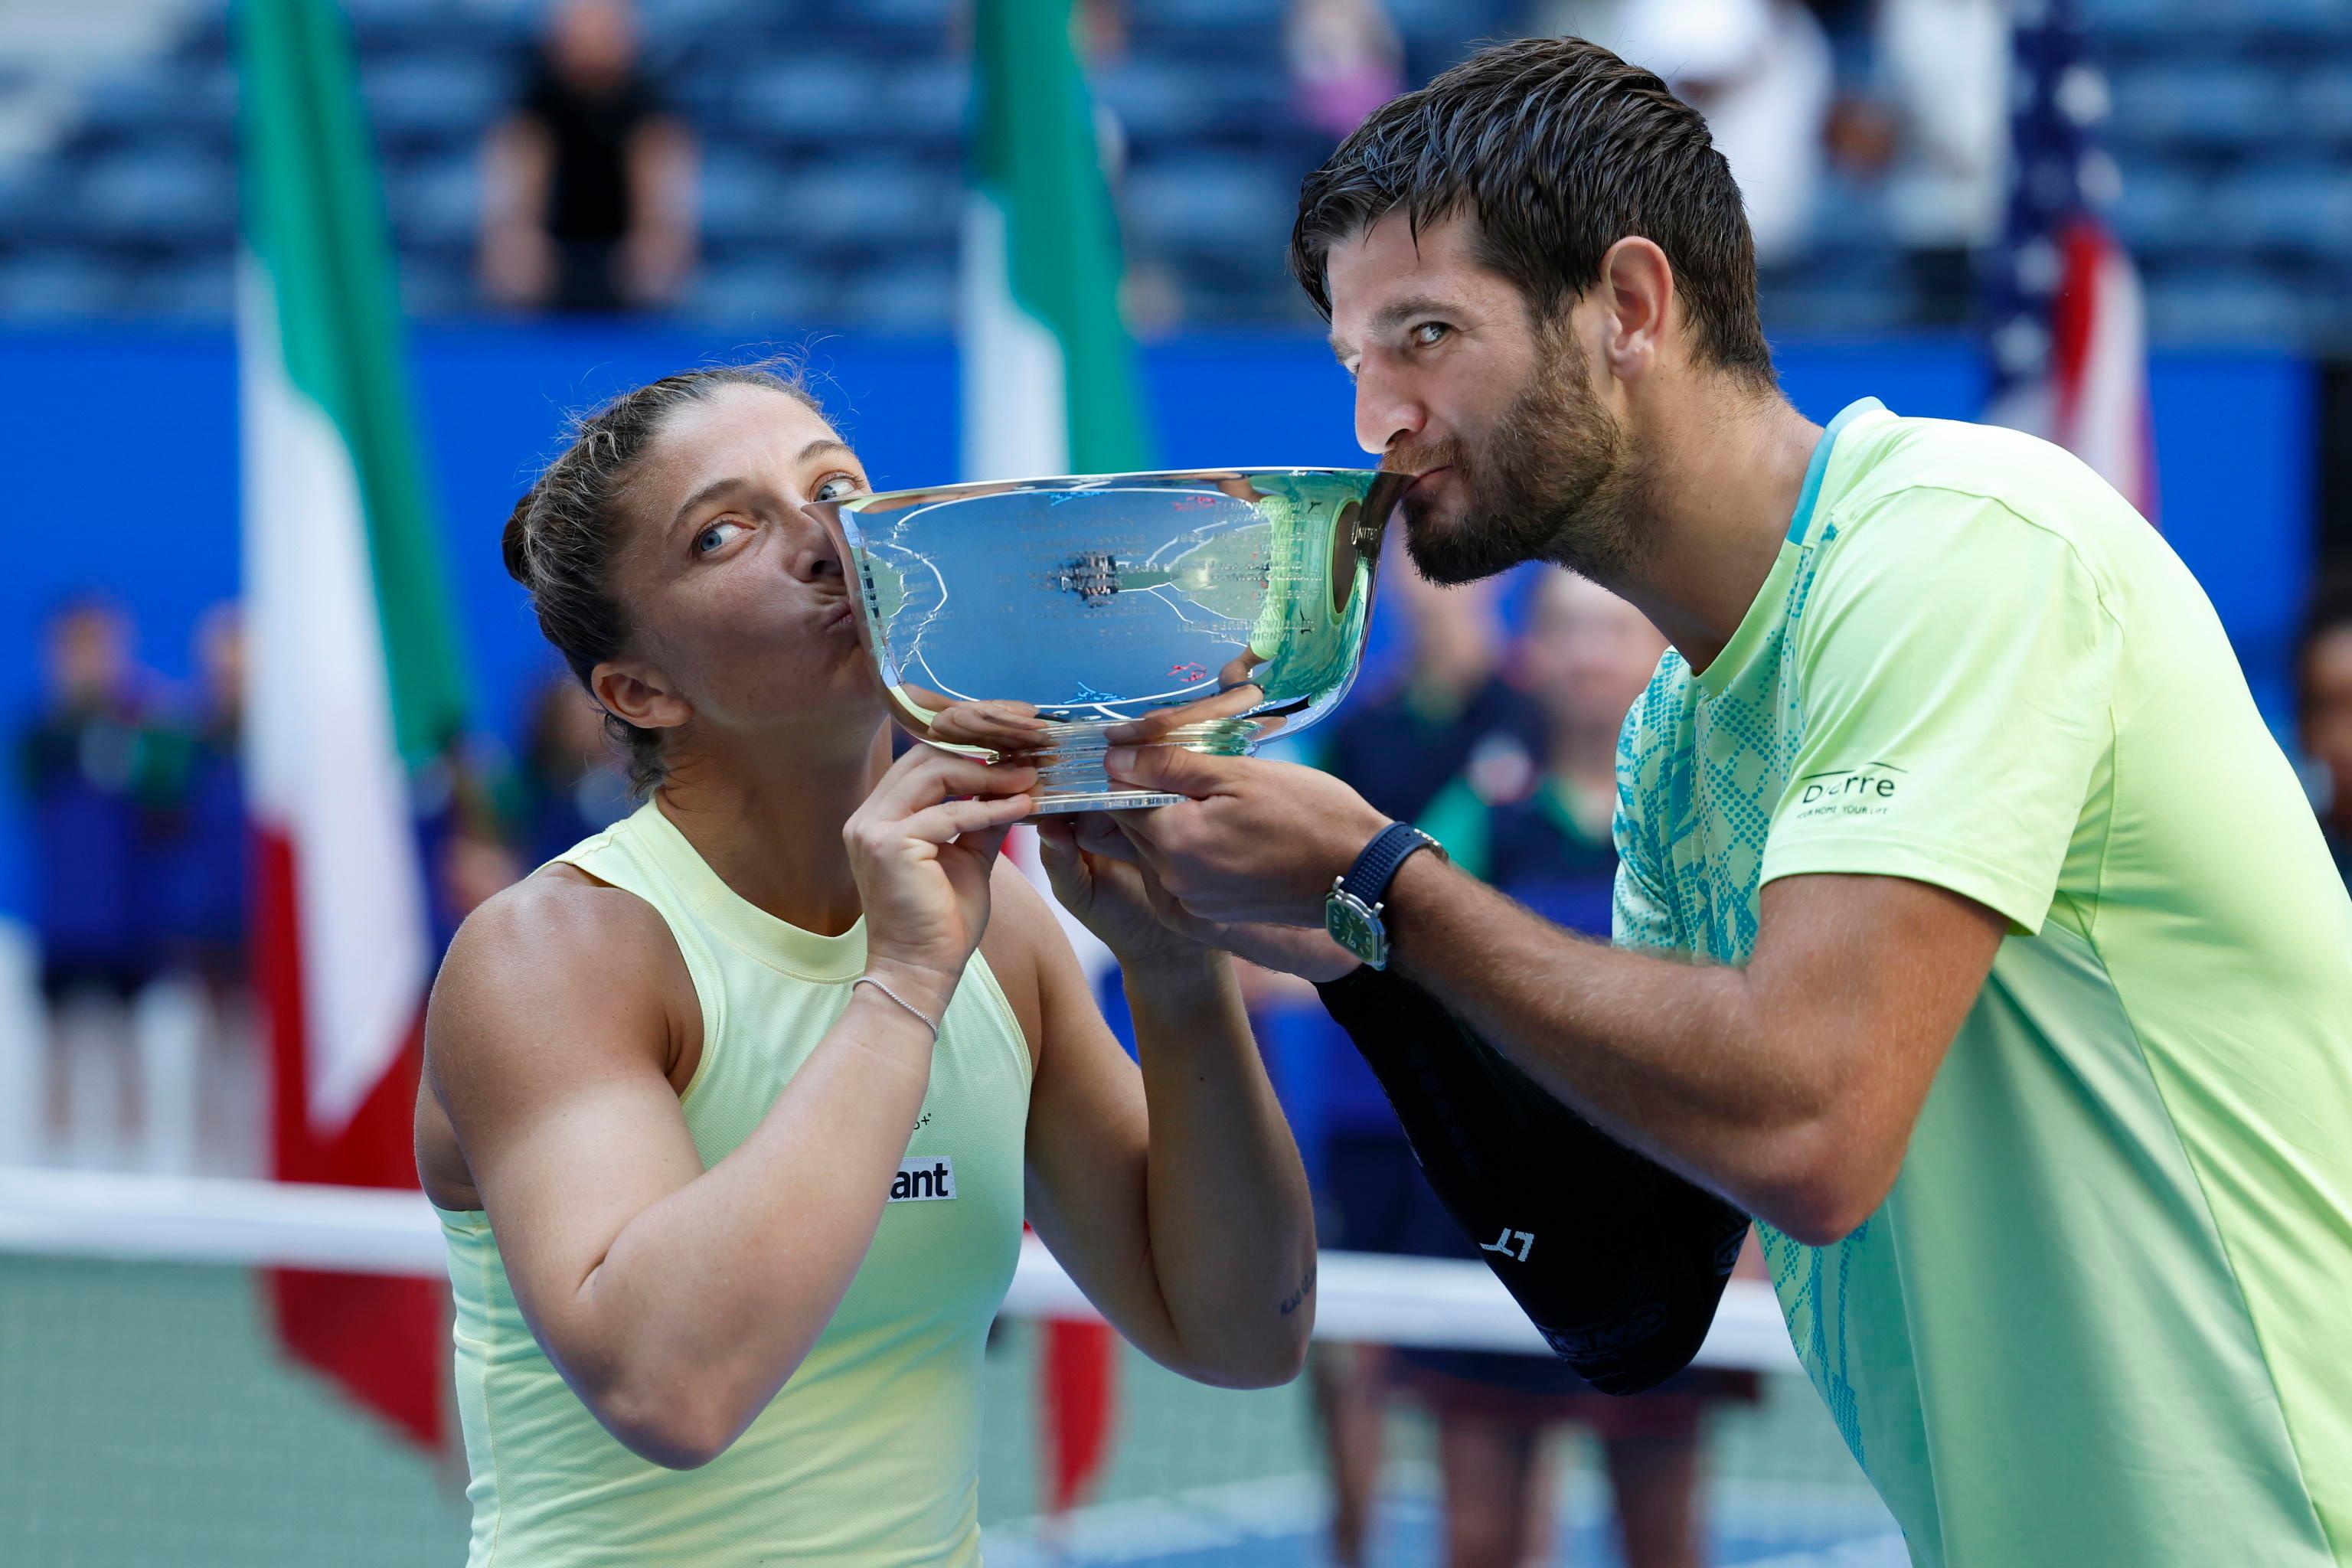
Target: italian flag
point(355, 680)
point(1049, 387)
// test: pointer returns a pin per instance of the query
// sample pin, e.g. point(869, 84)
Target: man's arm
point(1790, 1086)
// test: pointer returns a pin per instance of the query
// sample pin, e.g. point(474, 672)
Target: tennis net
point(150, 1418)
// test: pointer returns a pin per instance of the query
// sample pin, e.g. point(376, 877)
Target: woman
point(735, 1110)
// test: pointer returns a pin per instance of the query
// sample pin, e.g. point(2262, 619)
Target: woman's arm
point(1173, 1195)
point(676, 1300)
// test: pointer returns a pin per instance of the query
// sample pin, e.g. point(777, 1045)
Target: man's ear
point(637, 693)
point(1636, 294)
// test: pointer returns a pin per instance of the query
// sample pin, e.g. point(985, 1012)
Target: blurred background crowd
point(728, 160)
point(779, 168)
point(583, 193)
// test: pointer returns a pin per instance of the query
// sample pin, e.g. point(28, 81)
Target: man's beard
point(1554, 481)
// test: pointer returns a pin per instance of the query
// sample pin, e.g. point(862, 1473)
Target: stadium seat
point(439, 204)
point(2162, 208)
point(2212, 104)
point(170, 196)
point(834, 98)
point(2304, 209)
point(435, 101)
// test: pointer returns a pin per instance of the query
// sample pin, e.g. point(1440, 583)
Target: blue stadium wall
point(124, 452)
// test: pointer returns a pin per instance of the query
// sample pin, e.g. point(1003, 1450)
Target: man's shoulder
point(1999, 477)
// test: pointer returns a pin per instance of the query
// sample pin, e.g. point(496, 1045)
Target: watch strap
point(1369, 878)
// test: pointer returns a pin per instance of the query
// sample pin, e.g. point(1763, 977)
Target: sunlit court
point(1202, 784)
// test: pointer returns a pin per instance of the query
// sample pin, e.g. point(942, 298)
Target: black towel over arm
point(1619, 1261)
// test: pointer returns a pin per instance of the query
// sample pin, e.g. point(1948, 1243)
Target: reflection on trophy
point(1209, 609)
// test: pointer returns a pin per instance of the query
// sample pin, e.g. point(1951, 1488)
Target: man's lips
point(1422, 478)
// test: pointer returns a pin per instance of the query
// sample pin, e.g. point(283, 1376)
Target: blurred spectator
point(2323, 682)
point(1585, 657)
point(197, 838)
point(1943, 72)
point(86, 761)
point(573, 782)
point(589, 184)
point(1449, 716)
point(1761, 72)
point(1345, 60)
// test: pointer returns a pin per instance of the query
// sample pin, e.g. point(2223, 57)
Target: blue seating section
point(832, 133)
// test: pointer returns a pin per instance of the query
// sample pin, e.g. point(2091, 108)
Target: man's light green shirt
point(2105, 1318)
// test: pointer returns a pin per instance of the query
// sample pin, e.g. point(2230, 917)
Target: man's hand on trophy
point(1104, 838)
point(1257, 842)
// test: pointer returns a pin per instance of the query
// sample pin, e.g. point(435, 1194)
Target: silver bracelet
point(909, 1006)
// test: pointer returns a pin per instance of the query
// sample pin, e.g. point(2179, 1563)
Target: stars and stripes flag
point(2066, 328)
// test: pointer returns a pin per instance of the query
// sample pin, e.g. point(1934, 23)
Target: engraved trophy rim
point(1217, 724)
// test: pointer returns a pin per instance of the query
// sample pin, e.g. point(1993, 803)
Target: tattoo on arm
point(1305, 1289)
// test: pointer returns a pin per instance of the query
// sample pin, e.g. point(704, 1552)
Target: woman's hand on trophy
point(1094, 874)
point(999, 724)
point(922, 847)
point(1160, 722)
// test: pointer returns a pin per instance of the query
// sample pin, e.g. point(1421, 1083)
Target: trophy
point(1208, 608)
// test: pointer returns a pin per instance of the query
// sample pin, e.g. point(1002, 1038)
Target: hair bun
point(516, 542)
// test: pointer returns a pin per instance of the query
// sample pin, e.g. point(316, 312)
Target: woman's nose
point(812, 556)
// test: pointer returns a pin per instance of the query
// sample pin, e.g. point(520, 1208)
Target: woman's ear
point(637, 693)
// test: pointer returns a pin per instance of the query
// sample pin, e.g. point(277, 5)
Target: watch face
point(1354, 926)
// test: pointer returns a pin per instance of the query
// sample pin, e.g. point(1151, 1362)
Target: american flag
point(2063, 317)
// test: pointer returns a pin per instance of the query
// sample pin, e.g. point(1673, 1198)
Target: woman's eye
point(839, 487)
point(716, 534)
point(1429, 332)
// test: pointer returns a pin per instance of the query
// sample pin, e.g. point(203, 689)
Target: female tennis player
point(734, 1110)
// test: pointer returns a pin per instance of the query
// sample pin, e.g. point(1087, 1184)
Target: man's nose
point(1386, 413)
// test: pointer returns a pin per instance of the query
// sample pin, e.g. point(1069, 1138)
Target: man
point(1987, 950)
point(590, 180)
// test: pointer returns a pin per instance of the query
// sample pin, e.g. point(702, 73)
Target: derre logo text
point(1848, 791)
point(924, 1179)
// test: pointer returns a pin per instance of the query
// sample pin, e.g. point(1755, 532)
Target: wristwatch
point(1351, 910)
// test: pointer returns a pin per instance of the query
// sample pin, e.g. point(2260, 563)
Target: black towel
point(1619, 1261)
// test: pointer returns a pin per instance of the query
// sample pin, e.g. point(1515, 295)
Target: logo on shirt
point(924, 1179)
point(1848, 792)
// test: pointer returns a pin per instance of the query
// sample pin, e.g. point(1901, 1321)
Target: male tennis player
point(1982, 944)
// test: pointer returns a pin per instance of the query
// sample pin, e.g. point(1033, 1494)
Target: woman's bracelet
point(928, 1022)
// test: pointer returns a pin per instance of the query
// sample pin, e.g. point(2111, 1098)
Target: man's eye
point(1429, 332)
point(839, 487)
point(716, 534)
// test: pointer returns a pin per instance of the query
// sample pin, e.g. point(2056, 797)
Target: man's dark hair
point(1558, 149)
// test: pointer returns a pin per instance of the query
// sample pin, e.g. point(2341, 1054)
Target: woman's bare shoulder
point(562, 948)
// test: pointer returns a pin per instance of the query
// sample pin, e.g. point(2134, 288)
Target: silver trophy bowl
point(1208, 608)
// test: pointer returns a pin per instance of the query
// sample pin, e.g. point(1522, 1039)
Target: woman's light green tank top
point(870, 1455)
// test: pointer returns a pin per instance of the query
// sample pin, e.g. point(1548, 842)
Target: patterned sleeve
point(1642, 916)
